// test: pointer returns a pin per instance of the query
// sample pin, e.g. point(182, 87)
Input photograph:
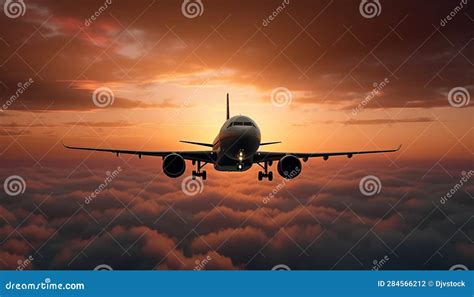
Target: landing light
point(240, 166)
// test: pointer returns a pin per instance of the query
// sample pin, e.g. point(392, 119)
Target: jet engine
point(289, 166)
point(174, 165)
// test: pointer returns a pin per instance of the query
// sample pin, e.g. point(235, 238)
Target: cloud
point(60, 96)
point(320, 220)
point(335, 68)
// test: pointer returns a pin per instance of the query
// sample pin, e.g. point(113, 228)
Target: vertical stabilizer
point(228, 113)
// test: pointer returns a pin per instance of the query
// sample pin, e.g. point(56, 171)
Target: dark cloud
point(321, 220)
point(61, 96)
point(406, 44)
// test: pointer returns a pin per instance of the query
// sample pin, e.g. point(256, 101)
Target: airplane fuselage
point(236, 144)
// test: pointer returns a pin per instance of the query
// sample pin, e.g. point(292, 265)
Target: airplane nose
point(243, 143)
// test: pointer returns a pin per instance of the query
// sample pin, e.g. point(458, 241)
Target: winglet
point(228, 113)
point(399, 147)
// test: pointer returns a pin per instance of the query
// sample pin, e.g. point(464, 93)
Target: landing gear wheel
point(265, 173)
point(198, 172)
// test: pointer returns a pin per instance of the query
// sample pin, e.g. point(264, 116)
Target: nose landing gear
point(197, 172)
point(265, 173)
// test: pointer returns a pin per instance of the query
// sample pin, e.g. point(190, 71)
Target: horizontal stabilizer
point(197, 143)
point(272, 142)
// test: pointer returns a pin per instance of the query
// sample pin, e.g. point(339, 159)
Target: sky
point(316, 75)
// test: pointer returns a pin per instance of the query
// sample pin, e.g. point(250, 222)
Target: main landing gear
point(198, 172)
point(265, 173)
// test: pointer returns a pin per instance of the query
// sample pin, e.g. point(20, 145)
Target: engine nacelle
point(289, 166)
point(174, 165)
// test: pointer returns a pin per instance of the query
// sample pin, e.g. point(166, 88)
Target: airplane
point(236, 148)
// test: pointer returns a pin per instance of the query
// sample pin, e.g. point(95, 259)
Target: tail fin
point(228, 115)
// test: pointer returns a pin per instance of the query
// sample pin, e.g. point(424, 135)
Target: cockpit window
point(240, 124)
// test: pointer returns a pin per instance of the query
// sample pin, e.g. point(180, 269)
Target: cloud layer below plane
point(321, 220)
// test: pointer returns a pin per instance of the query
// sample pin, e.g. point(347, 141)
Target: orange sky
point(169, 76)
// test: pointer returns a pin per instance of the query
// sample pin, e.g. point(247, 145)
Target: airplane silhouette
point(234, 149)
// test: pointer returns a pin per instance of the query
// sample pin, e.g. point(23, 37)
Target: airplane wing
point(204, 156)
point(274, 156)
